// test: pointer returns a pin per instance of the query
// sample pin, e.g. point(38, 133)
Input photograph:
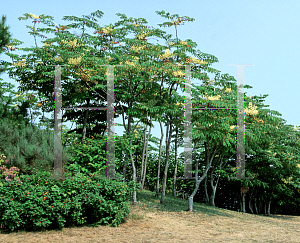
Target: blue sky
point(262, 33)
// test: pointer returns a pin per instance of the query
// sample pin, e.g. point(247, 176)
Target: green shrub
point(38, 203)
point(91, 156)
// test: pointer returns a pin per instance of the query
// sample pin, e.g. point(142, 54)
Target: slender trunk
point(205, 189)
point(213, 187)
point(175, 170)
point(159, 157)
point(145, 168)
point(265, 208)
point(269, 207)
point(84, 123)
point(208, 164)
point(213, 190)
point(250, 198)
point(255, 206)
point(260, 207)
point(243, 203)
point(124, 167)
point(143, 155)
point(250, 206)
point(163, 193)
point(134, 201)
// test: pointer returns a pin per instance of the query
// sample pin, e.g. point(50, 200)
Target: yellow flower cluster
point(71, 43)
point(213, 97)
point(20, 63)
point(74, 61)
point(195, 60)
point(227, 90)
point(137, 48)
point(183, 43)
point(85, 74)
point(10, 47)
point(34, 16)
point(288, 181)
point(296, 128)
point(232, 127)
point(251, 110)
point(176, 22)
point(109, 58)
point(180, 104)
point(136, 59)
point(58, 59)
point(106, 30)
point(178, 73)
point(166, 55)
point(45, 44)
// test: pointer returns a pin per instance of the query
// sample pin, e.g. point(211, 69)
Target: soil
point(144, 225)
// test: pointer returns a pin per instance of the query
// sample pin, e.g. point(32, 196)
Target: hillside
point(152, 222)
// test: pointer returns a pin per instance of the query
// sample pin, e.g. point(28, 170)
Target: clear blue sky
point(263, 33)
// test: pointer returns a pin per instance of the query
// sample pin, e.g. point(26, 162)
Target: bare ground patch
point(143, 225)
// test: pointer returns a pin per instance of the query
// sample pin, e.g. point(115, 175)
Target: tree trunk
point(168, 141)
point(269, 207)
point(260, 207)
point(208, 164)
point(250, 198)
point(175, 170)
point(159, 157)
point(213, 190)
point(205, 189)
point(243, 203)
point(145, 167)
point(255, 207)
point(143, 155)
point(250, 206)
point(124, 166)
point(84, 123)
point(134, 201)
point(213, 187)
point(265, 208)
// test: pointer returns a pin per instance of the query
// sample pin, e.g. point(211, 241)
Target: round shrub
point(39, 203)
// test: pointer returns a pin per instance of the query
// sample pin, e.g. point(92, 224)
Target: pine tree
point(4, 38)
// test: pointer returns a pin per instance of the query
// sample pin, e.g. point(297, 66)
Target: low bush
point(36, 203)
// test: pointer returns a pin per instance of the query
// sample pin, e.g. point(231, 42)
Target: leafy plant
point(43, 203)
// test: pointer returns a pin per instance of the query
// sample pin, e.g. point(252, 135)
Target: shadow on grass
point(147, 200)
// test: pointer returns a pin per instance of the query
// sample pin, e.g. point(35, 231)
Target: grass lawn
point(150, 221)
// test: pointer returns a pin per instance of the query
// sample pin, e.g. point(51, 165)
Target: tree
point(140, 86)
point(4, 38)
point(36, 81)
point(35, 151)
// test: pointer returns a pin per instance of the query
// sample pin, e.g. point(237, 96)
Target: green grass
point(151, 203)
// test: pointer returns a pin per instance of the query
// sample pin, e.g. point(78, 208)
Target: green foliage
point(28, 148)
point(139, 84)
point(16, 112)
point(38, 203)
point(4, 33)
point(4, 38)
point(91, 155)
